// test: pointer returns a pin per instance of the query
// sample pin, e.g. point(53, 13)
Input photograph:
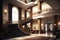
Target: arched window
point(28, 13)
point(15, 15)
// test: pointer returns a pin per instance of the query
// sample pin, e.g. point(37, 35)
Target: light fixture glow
point(5, 11)
point(23, 26)
point(29, 25)
point(58, 23)
point(41, 24)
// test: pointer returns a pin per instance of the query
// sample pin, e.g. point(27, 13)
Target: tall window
point(28, 13)
point(15, 15)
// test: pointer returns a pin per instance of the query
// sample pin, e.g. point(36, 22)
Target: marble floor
point(35, 37)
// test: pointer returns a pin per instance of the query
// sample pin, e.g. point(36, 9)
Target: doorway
point(48, 26)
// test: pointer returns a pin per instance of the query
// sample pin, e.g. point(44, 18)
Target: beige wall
point(36, 24)
point(58, 22)
point(5, 11)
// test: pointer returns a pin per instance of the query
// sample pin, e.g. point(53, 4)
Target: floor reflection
point(45, 36)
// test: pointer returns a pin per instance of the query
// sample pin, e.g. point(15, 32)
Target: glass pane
point(14, 15)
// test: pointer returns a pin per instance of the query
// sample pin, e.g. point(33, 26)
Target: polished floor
point(35, 37)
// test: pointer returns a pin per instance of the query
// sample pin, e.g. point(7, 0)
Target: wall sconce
point(23, 26)
point(59, 23)
point(41, 24)
point(5, 11)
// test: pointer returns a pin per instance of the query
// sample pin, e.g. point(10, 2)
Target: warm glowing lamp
point(23, 26)
point(41, 24)
point(58, 23)
point(5, 11)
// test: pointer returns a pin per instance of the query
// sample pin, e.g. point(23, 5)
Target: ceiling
point(22, 4)
point(53, 3)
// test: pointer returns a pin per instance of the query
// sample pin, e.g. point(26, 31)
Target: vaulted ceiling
point(53, 3)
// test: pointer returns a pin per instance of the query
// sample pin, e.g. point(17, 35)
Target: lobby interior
point(30, 19)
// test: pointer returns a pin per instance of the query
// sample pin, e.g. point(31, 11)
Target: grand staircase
point(14, 30)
